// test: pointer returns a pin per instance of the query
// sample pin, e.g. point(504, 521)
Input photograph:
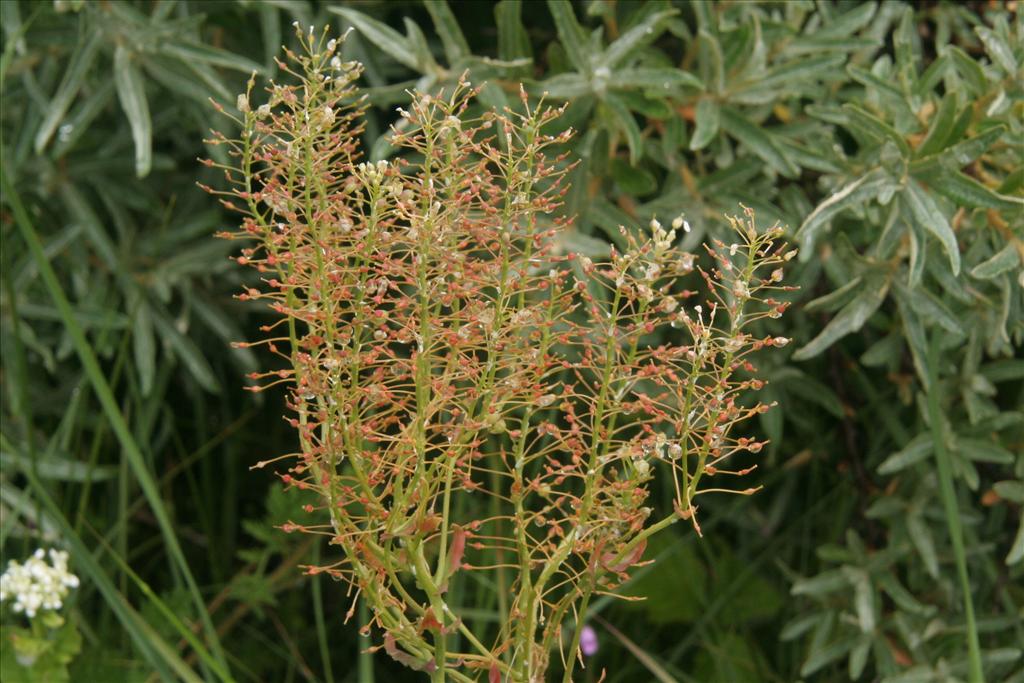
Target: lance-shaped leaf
point(131, 90)
point(942, 125)
point(642, 34)
point(654, 78)
point(513, 41)
point(914, 452)
point(1006, 259)
point(865, 121)
point(998, 49)
point(850, 319)
point(757, 140)
point(963, 153)
point(864, 189)
point(382, 36)
point(455, 45)
point(708, 116)
point(624, 118)
point(190, 53)
point(968, 69)
point(966, 191)
point(571, 34)
point(926, 213)
point(81, 59)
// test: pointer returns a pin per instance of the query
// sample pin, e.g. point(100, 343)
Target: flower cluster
point(468, 396)
point(36, 585)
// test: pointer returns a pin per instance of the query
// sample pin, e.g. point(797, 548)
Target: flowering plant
point(473, 401)
point(37, 590)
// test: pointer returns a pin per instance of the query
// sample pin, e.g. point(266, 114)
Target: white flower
point(36, 585)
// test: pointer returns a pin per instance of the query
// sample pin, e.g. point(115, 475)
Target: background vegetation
point(887, 137)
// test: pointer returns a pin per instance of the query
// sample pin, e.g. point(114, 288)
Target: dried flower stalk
point(468, 398)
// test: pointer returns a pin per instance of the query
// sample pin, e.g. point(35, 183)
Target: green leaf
point(579, 243)
point(189, 53)
point(82, 58)
point(933, 75)
point(822, 657)
point(181, 78)
point(856, 193)
point(984, 451)
point(799, 626)
point(865, 77)
point(876, 128)
point(571, 34)
point(513, 41)
point(425, 63)
point(656, 78)
point(1016, 553)
point(627, 124)
point(1006, 259)
point(914, 452)
point(651, 107)
point(390, 41)
point(455, 46)
point(1013, 182)
point(903, 45)
point(921, 537)
point(59, 468)
point(131, 91)
point(567, 86)
point(859, 656)
point(903, 598)
point(863, 598)
point(968, 69)
point(712, 69)
point(998, 49)
point(926, 213)
point(758, 140)
point(966, 191)
point(708, 119)
point(850, 319)
point(825, 583)
point(635, 181)
point(848, 23)
point(941, 126)
point(791, 76)
point(186, 350)
point(637, 36)
point(144, 347)
point(963, 153)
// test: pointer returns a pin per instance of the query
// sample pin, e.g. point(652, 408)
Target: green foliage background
point(887, 137)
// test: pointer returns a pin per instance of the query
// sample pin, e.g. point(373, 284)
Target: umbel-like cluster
point(36, 585)
point(476, 403)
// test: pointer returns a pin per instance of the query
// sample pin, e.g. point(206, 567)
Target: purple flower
point(588, 641)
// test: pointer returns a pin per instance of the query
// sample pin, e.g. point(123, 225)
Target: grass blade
point(110, 408)
point(949, 504)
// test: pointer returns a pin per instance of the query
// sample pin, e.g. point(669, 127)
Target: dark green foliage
point(886, 136)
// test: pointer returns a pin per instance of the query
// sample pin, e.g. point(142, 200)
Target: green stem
point(949, 504)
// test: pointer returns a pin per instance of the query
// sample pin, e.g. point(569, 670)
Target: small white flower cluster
point(373, 173)
point(36, 585)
